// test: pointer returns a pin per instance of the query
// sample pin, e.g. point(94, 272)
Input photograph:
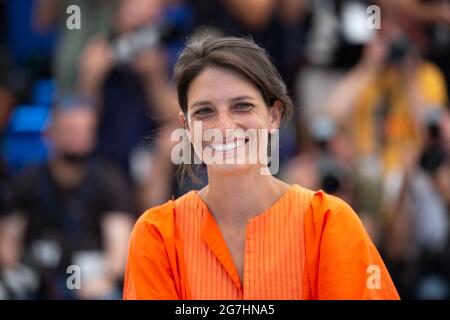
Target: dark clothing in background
point(215, 14)
point(61, 223)
point(6, 198)
point(342, 53)
point(438, 50)
point(4, 52)
point(126, 119)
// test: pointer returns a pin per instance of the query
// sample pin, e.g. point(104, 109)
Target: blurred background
point(86, 116)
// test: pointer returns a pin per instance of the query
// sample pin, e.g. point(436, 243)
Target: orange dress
point(307, 245)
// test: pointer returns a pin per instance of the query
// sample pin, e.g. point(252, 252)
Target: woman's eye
point(243, 106)
point(202, 112)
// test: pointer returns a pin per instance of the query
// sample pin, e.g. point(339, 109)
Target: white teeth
point(228, 146)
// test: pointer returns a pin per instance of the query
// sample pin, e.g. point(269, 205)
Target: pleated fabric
point(274, 261)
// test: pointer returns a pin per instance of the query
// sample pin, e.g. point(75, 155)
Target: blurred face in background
point(133, 14)
point(397, 30)
point(73, 133)
point(255, 14)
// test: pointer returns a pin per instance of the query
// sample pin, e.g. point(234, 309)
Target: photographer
point(129, 75)
point(327, 164)
point(74, 210)
point(418, 238)
point(433, 221)
point(95, 17)
point(387, 99)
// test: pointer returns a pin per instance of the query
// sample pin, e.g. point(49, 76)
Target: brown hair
point(241, 55)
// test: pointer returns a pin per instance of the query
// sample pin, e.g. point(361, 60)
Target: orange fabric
point(308, 245)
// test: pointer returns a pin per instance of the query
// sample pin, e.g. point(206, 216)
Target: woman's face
point(228, 121)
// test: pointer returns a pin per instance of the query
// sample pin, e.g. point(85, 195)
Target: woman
point(246, 235)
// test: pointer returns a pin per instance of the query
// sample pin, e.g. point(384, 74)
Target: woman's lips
point(228, 146)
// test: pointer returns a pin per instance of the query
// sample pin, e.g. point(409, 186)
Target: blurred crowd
point(86, 117)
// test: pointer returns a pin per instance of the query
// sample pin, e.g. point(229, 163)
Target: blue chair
point(43, 92)
point(24, 143)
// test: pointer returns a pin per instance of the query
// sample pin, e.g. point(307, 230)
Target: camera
point(434, 154)
point(399, 49)
point(125, 48)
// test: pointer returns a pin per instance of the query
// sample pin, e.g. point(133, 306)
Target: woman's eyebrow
point(244, 97)
point(201, 103)
point(207, 102)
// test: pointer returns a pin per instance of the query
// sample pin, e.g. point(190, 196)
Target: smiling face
point(231, 112)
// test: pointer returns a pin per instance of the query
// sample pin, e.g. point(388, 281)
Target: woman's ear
point(275, 115)
point(185, 124)
point(183, 120)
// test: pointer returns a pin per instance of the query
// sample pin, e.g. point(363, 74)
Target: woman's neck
point(233, 200)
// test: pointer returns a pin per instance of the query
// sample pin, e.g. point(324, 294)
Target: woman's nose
point(225, 121)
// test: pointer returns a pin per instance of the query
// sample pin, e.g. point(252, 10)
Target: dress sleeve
point(346, 263)
point(148, 272)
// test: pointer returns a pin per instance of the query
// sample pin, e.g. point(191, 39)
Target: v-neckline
point(215, 240)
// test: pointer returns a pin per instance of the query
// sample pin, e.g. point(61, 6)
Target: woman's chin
point(231, 169)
